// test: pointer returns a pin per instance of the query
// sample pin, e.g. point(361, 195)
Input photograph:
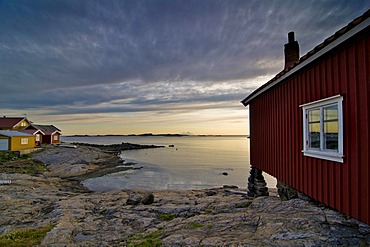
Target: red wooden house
point(309, 125)
point(35, 132)
point(49, 134)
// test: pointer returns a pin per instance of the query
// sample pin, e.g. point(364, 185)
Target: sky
point(151, 66)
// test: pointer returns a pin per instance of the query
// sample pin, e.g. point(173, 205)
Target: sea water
point(185, 162)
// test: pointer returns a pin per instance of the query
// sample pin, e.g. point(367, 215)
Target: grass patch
point(12, 162)
point(207, 211)
point(166, 217)
point(14, 155)
point(243, 204)
point(9, 156)
point(196, 225)
point(28, 166)
point(24, 237)
point(148, 240)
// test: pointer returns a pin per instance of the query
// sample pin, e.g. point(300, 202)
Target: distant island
point(151, 134)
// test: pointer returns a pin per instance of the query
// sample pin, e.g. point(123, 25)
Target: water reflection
point(193, 163)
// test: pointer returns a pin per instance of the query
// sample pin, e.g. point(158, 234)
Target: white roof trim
point(321, 100)
point(38, 130)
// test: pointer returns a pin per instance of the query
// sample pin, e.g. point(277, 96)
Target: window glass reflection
point(331, 127)
point(314, 128)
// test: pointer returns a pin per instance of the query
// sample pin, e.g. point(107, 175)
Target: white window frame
point(24, 141)
point(55, 137)
point(322, 153)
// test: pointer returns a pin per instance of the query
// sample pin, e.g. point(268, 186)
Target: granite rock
point(175, 218)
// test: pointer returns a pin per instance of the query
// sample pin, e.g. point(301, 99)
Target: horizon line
point(151, 134)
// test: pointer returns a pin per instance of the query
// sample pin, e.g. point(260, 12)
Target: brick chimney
point(291, 51)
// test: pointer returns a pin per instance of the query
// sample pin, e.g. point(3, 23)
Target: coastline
point(86, 160)
point(78, 217)
point(184, 163)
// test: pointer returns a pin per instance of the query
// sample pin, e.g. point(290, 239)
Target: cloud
point(135, 96)
point(71, 57)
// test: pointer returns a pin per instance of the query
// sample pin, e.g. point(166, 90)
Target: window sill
point(324, 155)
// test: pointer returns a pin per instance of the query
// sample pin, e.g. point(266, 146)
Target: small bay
point(186, 162)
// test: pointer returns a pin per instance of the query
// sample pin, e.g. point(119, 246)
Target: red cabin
point(309, 125)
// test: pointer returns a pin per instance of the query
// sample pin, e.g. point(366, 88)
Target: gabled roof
point(10, 122)
point(11, 133)
point(32, 131)
point(354, 27)
point(46, 129)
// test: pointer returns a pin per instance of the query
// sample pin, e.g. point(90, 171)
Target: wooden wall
point(15, 143)
point(276, 129)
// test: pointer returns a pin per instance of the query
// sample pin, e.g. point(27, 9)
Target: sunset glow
point(131, 67)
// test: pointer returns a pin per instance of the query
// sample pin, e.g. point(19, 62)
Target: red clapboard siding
point(276, 129)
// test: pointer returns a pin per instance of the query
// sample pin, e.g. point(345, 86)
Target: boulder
point(133, 199)
point(230, 187)
point(285, 191)
point(148, 199)
point(210, 193)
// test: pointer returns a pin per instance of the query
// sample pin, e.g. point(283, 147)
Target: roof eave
point(21, 121)
point(39, 131)
point(274, 81)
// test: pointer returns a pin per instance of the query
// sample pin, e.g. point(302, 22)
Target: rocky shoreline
point(88, 160)
point(54, 199)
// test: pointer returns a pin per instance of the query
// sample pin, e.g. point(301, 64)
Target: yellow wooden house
point(11, 140)
point(14, 123)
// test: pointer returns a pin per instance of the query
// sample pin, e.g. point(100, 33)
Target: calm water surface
point(193, 163)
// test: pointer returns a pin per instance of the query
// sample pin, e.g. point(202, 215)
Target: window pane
point(331, 129)
point(314, 128)
point(24, 141)
point(314, 116)
point(331, 112)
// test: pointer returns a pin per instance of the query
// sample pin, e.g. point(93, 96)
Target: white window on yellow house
point(23, 124)
point(24, 141)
